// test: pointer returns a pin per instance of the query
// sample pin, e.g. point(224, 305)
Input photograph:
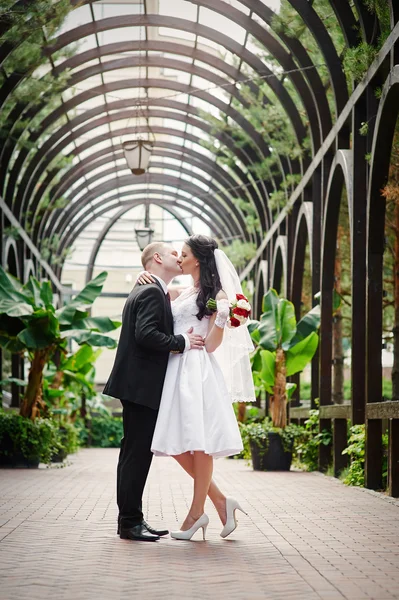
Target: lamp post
point(144, 234)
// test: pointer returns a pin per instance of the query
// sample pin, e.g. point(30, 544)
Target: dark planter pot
point(275, 458)
point(59, 457)
point(18, 461)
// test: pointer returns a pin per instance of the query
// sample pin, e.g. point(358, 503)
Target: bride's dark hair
point(203, 248)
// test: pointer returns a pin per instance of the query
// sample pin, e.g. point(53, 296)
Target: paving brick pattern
point(306, 537)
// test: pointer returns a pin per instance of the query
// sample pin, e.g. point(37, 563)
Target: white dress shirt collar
point(161, 281)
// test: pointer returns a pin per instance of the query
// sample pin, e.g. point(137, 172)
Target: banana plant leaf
point(301, 354)
point(15, 308)
point(32, 290)
point(46, 295)
point(268, 369)
point(253, 328)
point(269, 329)
point(287, 322)
point(290, 389)
point(100, 324)
point(83, 300)
point(307, 325)
point(82, 336)
point(15, 380)
point(12, 344)
point(11, 288)
point(256, 360)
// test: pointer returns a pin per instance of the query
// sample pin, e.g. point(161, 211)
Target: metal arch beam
point(32, 175)
point(303, 233)
point(102, 235)
point(52, 149)
point(57, 113)
point(39, 232)
point(237, 219)
point(104, 206)
point(197, 29)
point(280, 54)
point(280, 252)
point(346, 20)
point(323, 39)
point(340, 175)
point(304, 60)
point(157, 165)
point(177, 133)
point(106, 155)
point(156, 178)
point(275, 48)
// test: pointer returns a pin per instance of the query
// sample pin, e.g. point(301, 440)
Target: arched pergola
point(196, 80)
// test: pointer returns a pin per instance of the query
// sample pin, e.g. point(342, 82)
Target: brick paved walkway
point(307, 537)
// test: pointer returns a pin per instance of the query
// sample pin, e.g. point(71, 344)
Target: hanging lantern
point(137, 154)
point(143, 236)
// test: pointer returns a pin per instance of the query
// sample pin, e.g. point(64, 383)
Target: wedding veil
point(233, 353)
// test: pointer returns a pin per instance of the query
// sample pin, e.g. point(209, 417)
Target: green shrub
point(356, 449)
point(32, 440)
point(68, 438)
point(106, 432)
point(307, 448)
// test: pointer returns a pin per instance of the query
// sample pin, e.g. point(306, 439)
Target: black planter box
point(18, 461)
point(275, 458)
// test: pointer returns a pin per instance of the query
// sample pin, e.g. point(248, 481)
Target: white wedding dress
point(196, 412)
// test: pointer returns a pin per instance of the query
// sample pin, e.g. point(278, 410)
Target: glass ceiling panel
point(77, 17)
point(221, 23)
point(177, 34)
point(103, 10)
point(178, 8)
point(127, 34)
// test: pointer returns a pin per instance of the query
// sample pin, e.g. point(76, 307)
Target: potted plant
point(283, 348)
point(270, 448)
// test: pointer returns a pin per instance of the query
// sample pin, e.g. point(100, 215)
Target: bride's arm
point(145, 277)
point(217, 323)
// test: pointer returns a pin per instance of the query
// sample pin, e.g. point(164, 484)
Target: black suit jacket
point(145, 343)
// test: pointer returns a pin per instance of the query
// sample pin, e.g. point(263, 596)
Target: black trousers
point(134, 461)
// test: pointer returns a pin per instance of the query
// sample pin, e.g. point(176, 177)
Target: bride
point(196, 420)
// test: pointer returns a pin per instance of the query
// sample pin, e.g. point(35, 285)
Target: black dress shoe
point(138, 533)
point(159, 532)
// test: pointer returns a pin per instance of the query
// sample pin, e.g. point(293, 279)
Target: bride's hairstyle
point(203, 248)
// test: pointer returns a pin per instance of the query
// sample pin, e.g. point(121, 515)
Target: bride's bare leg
point(203, 467)
point(186, 461)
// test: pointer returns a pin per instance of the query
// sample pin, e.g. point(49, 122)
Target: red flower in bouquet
point(239, 310)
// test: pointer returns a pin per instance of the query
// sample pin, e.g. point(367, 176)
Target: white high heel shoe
point(188, 534)
point(231, 522)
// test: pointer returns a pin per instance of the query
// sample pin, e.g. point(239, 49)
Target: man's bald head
point(149, 251)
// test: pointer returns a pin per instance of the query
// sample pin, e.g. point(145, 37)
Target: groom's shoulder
point(146, 291)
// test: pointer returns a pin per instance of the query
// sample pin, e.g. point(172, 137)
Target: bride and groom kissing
point(177, 371)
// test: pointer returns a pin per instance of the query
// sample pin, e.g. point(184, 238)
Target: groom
point(137, 379)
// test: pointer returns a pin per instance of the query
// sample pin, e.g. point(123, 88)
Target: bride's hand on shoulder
point(144, 277)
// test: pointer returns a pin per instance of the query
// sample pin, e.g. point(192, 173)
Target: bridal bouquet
point(239, 310)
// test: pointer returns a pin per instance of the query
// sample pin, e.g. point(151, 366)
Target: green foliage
point(68, 439)
point(357, 60)
point(257, 432)
point(356, 451)
point(30, 323)
point(307, 449)
point(240, 253)
point(37, 439)
point(106, 432)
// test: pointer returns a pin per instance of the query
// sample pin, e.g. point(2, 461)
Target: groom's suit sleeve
point(149, 314)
